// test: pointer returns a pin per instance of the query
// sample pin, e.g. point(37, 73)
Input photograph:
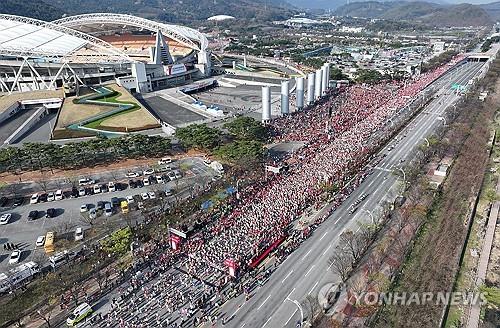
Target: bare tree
point(352, 243)
point(43, 183)
point(45, 315)
point(341, 263)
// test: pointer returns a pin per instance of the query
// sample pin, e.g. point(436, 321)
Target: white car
point(132, 175)
point(144, 196)
point(40, 241)
point(165, 160)
point(93, 213)
point(111, 186)
point(59, 194)
point(78, 234)
point(130, 199)
point(171, 175)
point(159, 179)
point(86, 182)
point(51, 197)
point(34, 198)
point(168, 192)
point(151, 195)
point(81, 192)
point(207, 162)
point(148, 171)
point(15, 257)
point(97, 189)
point(178, 174)
point(5, 218)
point(146, 182)
point(84, 208)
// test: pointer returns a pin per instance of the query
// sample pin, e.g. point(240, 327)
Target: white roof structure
point(189, 37)
point(27, 37)
point(219, 18)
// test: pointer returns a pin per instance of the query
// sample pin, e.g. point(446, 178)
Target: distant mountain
point(334, 4)
point(180, 10)
point(493, 9)
point(423, 12)
point(38, 9)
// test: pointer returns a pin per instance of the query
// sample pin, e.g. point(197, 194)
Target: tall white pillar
point(310, 88)
point(299, 90)
point(317, 83)
point(234, 64)
point(285, 101)
point(326, 78)
point(245, 60)
point(266, 103)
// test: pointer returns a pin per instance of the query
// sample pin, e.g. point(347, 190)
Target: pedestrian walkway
point(475, 309)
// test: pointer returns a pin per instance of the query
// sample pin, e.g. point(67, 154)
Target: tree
point(246, 128)
point(199, 136)
point(341, 263)
point(353, 243)
point(118, 242)
point(336, 74)
point(240, 151)
point(369, 76)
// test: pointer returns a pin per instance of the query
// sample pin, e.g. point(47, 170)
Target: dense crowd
point(334, 133)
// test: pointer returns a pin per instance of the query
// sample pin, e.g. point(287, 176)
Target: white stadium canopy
point(27, 37)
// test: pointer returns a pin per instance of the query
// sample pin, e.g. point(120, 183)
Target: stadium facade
point(139, 54)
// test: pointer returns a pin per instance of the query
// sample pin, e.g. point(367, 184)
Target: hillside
point(493, 9)
point(421, 12)
point(180, 11)
point(39, 10)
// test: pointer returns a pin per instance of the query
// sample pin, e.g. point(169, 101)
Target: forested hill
point(34, 9)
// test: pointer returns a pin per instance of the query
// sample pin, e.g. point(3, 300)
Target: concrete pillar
point(326, 78)
point(234, 64)
point(266, 104)
point(245, 60)
point(317, 83)
point(300, 92)
point(310, 88)
point(285, 101)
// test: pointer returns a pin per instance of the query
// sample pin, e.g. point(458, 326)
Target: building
point(139, 54)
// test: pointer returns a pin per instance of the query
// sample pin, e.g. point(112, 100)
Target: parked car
point(108, 209)
point(33, 215)
point(74, 192)
point(148, 171)
point(151, 195)
point(178, 174)
point(100, 205)
point(144, 196)
point(86, 182)
point(163, 168)
point(111, 186)
point(51, 197)
point(146, 181)
point(168, 192)
point(5, 218)
point(165, 160)
point(78, 234)
point(40, 241)
point(130, 199)
point(3, 201)
point(97, 189)
point(207, 162)
point(159, 179)
point(81, 192)
point(34, 198)
point(115, 201)
point(84, 208)
point(132, 175)
point(140, 205)
point(171, 176)
point(15, 256)
point(59, 194)
point(43, 198)
point(18, 201)
point(93, 213)
point(50, 213)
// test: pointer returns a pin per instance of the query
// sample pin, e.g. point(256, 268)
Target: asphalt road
point(307, 270)
point(22, 232)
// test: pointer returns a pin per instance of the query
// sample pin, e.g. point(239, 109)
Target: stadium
point(140, 54)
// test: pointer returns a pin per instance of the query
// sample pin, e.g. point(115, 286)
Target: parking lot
point(23, 232)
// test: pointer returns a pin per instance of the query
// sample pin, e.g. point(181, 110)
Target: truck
point(18, 276)
point(124, 206)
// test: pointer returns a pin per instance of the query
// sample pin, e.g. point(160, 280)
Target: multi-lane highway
point(306, 270)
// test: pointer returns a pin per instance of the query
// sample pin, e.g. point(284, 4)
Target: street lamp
point(427, 141)
point(300, 310)
point(370, 214)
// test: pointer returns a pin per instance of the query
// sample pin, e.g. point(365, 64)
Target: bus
point(49, 242)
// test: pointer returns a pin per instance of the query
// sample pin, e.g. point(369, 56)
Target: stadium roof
point(27, 37)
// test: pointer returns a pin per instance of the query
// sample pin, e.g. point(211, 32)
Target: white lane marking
point(304, 257)
point(315, 285)
point(243, 325)
point(286, 323)
point(288, 275)
point(308, 271)
point(323, 235)
point(358, 229)
point(263, 302)
point(326, 250)
point(267, 321)
point(288, 296)
point(337, 220)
